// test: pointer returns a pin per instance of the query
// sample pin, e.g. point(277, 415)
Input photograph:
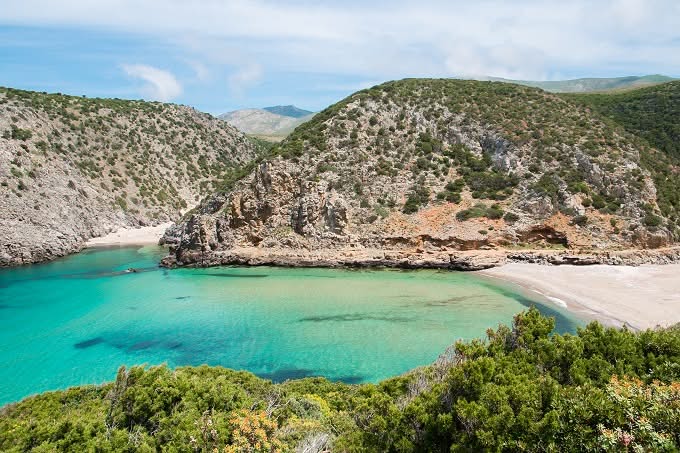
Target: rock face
point(74, 168)
point(421, 170)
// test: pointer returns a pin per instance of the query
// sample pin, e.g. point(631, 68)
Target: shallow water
point(76, 320)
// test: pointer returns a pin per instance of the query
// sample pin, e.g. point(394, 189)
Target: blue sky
point(223, 55)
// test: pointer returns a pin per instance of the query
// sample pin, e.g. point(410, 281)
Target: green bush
point(418, 196)
point(652, 220)
point(480, 210)
point(580, 220)
point(511, 217)
point(20, 134)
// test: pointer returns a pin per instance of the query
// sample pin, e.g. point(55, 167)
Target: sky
point(222, 55)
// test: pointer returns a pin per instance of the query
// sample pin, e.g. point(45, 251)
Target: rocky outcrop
point(470, 260)
point(75, 168)
point(414, 173)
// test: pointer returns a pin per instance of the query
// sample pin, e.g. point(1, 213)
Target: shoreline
point(463, 260)
point(639, 297)
point(634, 288)
point(130, 236)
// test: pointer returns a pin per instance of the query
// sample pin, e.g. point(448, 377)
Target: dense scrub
point(523, 389)
point(653, 115)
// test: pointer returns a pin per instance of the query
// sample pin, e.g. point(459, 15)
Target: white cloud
point(158, 84)
point(244, 78)
point(201, 71)
point(379, 40)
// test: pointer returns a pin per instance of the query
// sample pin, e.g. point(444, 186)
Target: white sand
point(130, 236)
point(642, 297)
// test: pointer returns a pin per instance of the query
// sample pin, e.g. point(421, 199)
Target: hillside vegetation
point(421, 164)
point(522, 389)
point(72, 168)
point(652, 114)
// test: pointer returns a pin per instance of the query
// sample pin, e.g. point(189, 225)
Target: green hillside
point(652, 114)
point(543, 126)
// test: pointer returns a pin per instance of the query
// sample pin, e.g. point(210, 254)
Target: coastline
point(130, 236)
point(634, 288)
point(409, 258)
point(639, 297)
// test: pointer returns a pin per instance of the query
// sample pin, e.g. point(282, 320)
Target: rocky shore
point(471, 260)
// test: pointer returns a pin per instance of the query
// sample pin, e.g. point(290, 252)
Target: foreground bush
point(523, 389)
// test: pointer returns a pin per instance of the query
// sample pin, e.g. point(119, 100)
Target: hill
point(263, 124)
point(73, 168)
point(415, 171)
point(591, 84)
point(653, 114)
point(521, 390)
point(288, 110)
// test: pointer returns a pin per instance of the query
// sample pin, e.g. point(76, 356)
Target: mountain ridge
point(589, 84)
point(288, 110)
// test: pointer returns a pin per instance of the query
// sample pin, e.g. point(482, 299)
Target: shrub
point(652, 220)
point(480, 210)
point(580, 220)
point(523, 388)
point(511, 217)
point(21, 134)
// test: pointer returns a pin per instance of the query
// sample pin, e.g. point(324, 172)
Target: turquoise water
point(76, 320)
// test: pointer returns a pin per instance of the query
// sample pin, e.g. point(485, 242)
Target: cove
point(76, 320)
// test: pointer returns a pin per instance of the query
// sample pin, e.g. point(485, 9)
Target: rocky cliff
point(74, 168)
point(418, 168)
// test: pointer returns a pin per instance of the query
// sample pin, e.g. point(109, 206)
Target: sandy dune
point(641, 297)
point(130, 236)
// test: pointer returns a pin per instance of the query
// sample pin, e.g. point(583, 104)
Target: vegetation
point(650, 113)
point(495, 142)
point(651, 116)
point(481, 210)
point(146, 157)
point(523, 389)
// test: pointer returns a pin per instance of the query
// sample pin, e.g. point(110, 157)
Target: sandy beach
point(641, 297)
point(130, 236)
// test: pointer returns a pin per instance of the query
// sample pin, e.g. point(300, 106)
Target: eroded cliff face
point(437, 169)
point(73, 168)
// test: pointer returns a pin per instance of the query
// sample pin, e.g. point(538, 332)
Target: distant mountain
point(590, 84)
point(264, 124)
point(288, 110)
